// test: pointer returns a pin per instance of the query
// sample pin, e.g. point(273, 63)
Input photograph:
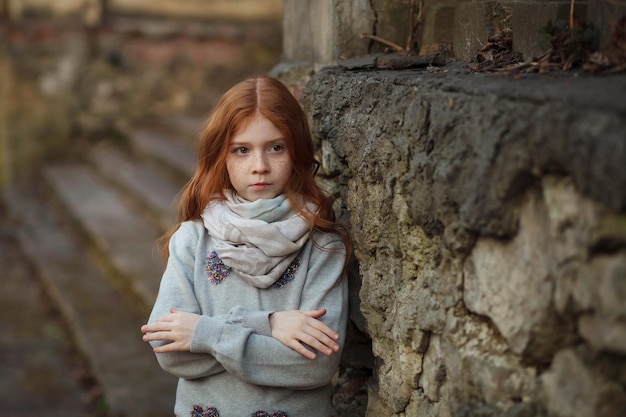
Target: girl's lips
point(260, 185)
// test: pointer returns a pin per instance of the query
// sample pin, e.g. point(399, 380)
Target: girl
point(252, 307)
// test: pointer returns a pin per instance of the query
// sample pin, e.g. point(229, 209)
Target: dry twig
point(378, 39)
point(415, 22)
point(413, 26)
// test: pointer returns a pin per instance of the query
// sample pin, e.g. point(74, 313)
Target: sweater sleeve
point(177, 290)
point(262, 360)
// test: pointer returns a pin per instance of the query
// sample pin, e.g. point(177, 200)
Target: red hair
point(270, 98)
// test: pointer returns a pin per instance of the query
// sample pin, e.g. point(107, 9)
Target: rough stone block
point(298, 41)
point(434, 374)
point(574, 389)
point(437, 29)
point(351, 19)
point(319, 32)
point(392, 22)
point(520, 302)
point(604, 15)
point(470, 31)
point(464, 240)
point(573, 218)
point(603, 299)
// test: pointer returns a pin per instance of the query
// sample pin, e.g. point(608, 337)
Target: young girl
point(252, 308)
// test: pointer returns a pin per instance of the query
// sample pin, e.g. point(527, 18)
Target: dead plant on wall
point(568, 46)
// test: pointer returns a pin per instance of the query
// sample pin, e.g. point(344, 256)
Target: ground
point(41, 372)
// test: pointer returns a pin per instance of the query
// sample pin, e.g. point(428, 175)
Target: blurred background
point(85, 69)
point(100, 104)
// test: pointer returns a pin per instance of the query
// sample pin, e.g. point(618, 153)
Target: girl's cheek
point(285, 163)
point(239, 165)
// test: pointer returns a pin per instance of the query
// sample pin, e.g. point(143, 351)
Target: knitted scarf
point(257, 239)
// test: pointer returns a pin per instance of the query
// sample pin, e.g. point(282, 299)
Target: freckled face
point(258, 161)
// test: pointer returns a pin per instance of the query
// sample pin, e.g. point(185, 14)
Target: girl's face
point(258, 161)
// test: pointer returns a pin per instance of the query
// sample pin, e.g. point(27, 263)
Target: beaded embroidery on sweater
point(288, 275)
point(216, 269)
point(200, 411)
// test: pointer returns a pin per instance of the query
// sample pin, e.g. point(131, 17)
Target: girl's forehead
point(243, 123)
point(257, 128)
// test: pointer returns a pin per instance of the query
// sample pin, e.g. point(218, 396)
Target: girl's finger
point(321, 342)
point(316, 314)
point(317, 345)
point(298, 347)
point(166, 318)
point(170, 347)
point(156, 327)
point(316, 324)
point(152, 338)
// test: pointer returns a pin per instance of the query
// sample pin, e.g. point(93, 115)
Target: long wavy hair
point(270, 98)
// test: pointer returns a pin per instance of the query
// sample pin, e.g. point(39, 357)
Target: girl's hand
point(298, 327)
point(177, 328)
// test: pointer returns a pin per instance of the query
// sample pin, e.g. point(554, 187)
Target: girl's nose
point(260, 164)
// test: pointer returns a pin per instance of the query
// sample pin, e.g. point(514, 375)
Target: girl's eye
point(277, 148)
point(241, 150)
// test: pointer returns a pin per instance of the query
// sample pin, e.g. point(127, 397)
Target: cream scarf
point(257, 239)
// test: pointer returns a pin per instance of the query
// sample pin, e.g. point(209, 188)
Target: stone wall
point(322, 32)
point(487, 212)
point(489, 221)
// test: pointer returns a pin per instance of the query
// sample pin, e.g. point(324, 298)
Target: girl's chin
point(259, 196)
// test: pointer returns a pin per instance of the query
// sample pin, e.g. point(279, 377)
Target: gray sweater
point(235, 368)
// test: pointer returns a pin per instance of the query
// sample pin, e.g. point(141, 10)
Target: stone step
point(123, 239)
point(175, 154)
point(189, 126)
point(154, 191)
point(105, 328)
